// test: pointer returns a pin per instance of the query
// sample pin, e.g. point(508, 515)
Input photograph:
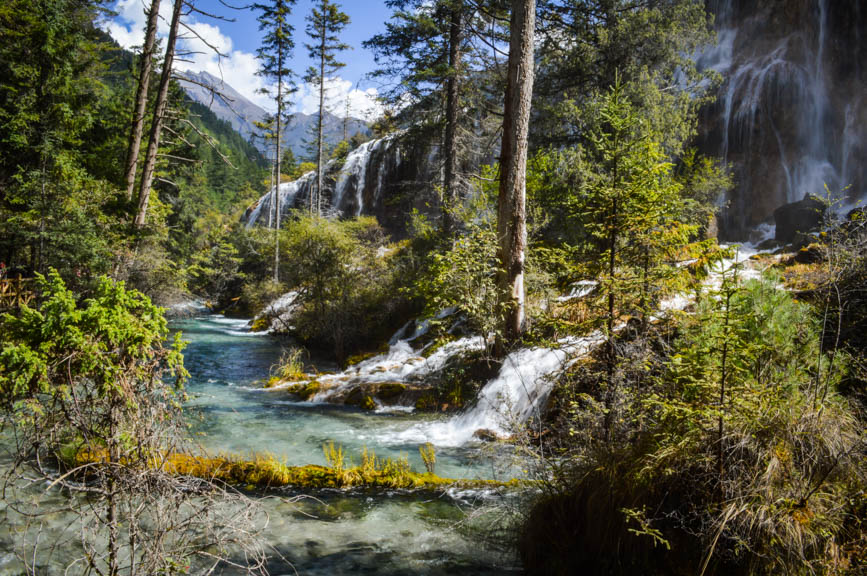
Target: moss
point(272, 381)
point(359, 358)
point(260, 324)
point(304, 390)
point(265, 471)
point(426, 403)
point(368, 403)
point(436, 344)
point(388, 390)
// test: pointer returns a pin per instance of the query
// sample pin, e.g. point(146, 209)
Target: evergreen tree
point(160, 106)
point(425, 48)
point(511, 210)
point(274, 55)
point(141, 95)
point(632, 208)
point(52, 210)
point(324, 25)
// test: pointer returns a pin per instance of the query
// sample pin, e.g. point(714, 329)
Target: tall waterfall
point(791, 114)
point(352, 188)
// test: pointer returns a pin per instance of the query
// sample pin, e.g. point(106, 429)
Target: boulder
point(486, 435)
point(799, 217)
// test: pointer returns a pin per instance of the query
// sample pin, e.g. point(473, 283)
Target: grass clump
point(265, 471)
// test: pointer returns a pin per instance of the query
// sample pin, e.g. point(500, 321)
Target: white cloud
point(128, 26)
point(362, 103)
point(237, 68)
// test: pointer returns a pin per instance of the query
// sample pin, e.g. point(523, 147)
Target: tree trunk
point(511, 225)
point(141, 97)
point(277, 177)
point(159, 112)
point(611, 360)
point(273, 198)
point(319, 177)
point(450, 188)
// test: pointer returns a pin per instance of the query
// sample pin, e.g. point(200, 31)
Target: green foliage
point(348, 279)
point(103, 350)
point(428, 456)
point(755, 477)
point(291, 366)
point(340, 152)
point(464, 277)
point(650, 45)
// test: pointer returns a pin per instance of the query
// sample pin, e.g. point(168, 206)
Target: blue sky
point(239, 40)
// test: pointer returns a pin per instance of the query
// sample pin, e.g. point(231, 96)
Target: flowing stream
point(334, 532)
point(357, 532)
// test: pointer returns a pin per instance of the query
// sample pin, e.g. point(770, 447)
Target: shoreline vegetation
point(265, 471)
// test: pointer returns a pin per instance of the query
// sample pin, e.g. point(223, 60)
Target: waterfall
point(353, 174)
point(790, 116)
point(289, 193)
point(354, 188)
point(516, 395)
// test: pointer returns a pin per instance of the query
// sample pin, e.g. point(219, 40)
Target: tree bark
point(511, 221)
point(450, 187)
point(319, 177)
point(277, 177)
point(141, 97)
point(159, 113)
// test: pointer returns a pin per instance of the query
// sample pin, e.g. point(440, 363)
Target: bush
point(759, 477)
point(349, 283)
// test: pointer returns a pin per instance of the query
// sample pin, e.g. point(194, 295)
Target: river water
point(343, 532)
point(333, 532)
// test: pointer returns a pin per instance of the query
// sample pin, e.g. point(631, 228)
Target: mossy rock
point(272, 381)
point(265, 471)
point(360, 396)
point(359, 358)
point(260, 324)
point(389, 390)
point(426, 403)
point(304, 390)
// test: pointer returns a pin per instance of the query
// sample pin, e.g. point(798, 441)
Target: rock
point(802, 240)
point(486, 435)
point(388, 390)
point(809, 254)
point(804, 216)
point(769, 244)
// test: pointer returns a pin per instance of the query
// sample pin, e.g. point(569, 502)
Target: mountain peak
point(230, 105)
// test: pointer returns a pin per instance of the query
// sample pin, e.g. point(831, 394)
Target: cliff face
point(791, 113)
point(385, 178)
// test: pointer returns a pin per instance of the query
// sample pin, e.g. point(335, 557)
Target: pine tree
point(141, 96)
point(633, 209)
point(324, 25)
point(511, 210)
point(425, 47)
point(274, 55)
point(149, 168)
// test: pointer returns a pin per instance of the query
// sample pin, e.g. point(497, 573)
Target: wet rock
point(799, 217)
point(486, 435)
point(770, 244)
point(809, 254)
point(389, 390)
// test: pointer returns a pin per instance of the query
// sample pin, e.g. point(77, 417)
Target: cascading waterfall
point(289, 193)
point(790, 116)
point(354, 189)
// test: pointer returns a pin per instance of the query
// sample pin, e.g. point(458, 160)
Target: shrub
point(738, 456)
